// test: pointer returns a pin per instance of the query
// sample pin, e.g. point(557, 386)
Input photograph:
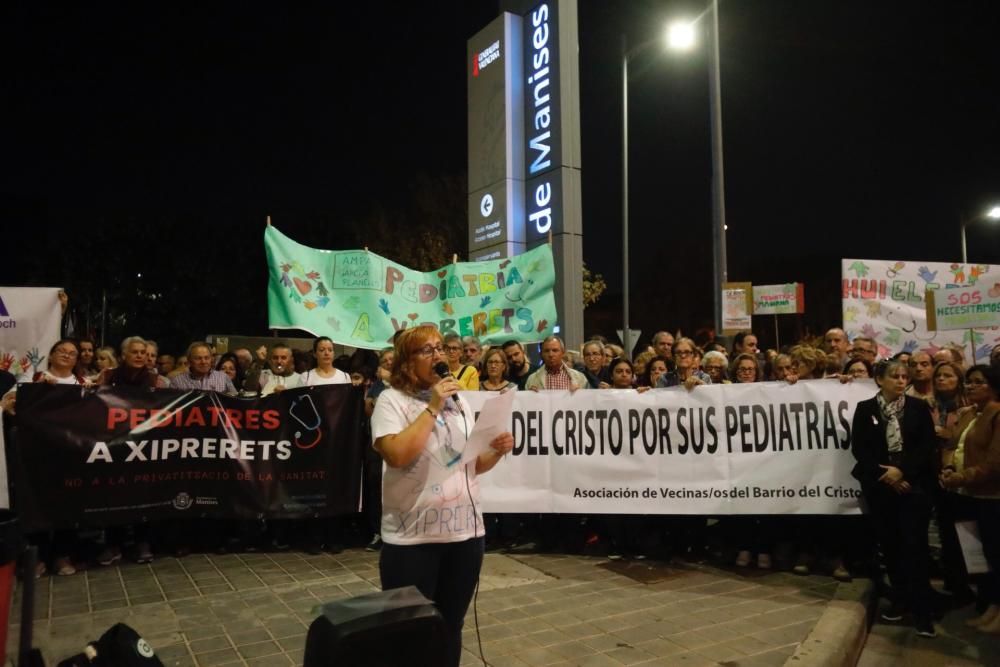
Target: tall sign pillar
point(496, 127)
point(552, 151)
point(524, 146)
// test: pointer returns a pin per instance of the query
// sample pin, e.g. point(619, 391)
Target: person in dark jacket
point(894, 443)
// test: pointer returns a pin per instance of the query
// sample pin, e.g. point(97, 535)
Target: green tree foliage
point(593, 286)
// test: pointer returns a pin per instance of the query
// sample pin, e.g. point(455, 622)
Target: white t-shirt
point(428, 500)
point(268, 381)
point(312, 378)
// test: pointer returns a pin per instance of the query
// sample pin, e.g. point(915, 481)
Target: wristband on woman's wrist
point(431, 413)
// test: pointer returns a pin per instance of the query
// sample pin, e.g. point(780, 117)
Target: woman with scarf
point(895, 447)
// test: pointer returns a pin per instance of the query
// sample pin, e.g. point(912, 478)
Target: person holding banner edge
point(894, 443)
point(432, 523)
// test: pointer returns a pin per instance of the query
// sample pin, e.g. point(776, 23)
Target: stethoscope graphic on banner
point(310, 422)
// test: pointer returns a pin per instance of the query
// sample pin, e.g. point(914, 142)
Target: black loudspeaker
point(395, 627)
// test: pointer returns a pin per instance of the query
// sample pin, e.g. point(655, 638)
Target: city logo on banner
point(9, 322)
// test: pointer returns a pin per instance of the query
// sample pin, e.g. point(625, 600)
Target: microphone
point(442, 371)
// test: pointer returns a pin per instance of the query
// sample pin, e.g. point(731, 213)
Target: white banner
point(765, 448)
point(29, 327)
point(884, 300)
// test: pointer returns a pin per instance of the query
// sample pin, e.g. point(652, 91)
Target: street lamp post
point(626, 55)
point(720, 263)
point(992, 214)
point(626, 334)
point(681, 36)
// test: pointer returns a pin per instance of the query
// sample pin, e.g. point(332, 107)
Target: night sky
point(168, 133)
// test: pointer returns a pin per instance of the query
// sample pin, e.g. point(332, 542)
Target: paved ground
point(254, 609)
point(956, 645)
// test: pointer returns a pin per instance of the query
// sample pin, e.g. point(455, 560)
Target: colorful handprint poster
point(361, 299)
point(29, 327)
point(885, 300)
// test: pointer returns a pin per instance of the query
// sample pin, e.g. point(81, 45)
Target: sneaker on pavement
point(841, 573)
point(109, 556)
point(892, 614)
point(801, 569)
point(764, 561)
point(375, 544)
point(143, 553)
point(743, 558)
point(926, 629)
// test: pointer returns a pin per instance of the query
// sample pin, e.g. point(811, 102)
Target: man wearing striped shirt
point(200, 374)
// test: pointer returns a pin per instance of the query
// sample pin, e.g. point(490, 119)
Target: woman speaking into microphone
point(432, 521)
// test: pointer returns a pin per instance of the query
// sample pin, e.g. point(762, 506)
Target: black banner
point(97, 457)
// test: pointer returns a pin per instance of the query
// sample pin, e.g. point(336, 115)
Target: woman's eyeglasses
point(430, 350)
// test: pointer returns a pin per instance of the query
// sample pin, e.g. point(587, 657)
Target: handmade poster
point(29, 327)
point(361, 299)
point(963, 308)
point(737, 307)
point(787, 299)
point(885, 300)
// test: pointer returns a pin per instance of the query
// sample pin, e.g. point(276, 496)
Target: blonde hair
point(108, 352)
point(809, 357)
point(642, 360)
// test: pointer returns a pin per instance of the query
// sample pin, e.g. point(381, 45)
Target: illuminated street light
point(992, 214)
point(681, 36)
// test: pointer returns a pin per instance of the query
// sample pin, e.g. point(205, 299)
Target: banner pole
point(972, 345)
point(777, 338)
point(104, 314)
point(268, 221)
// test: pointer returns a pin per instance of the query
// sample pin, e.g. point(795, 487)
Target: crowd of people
point(927, 447)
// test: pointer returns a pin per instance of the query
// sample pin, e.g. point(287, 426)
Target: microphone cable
point(441, 369)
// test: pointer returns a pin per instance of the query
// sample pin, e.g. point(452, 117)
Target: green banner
point(361, 299)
